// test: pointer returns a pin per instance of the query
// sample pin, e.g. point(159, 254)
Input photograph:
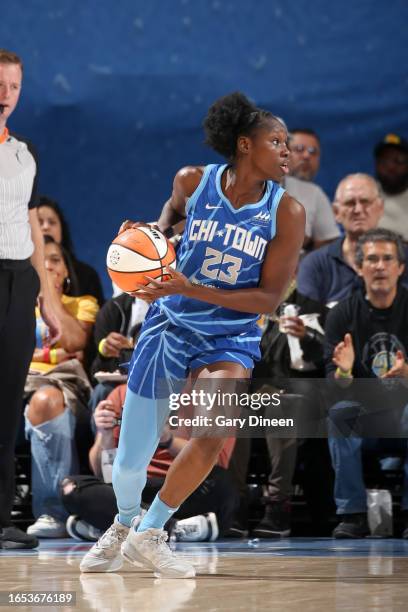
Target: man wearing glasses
point(331, 274)
point(367, 337)
point(304, 164)
point(305, 150)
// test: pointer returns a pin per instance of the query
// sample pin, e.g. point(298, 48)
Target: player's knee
point(46, 404)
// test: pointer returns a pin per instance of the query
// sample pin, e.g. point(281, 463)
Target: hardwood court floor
point(299, 574)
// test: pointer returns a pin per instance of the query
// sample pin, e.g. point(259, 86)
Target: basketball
point(138, 252)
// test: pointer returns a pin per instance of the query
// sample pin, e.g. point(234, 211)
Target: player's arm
point(185, 183)
point(278, 269)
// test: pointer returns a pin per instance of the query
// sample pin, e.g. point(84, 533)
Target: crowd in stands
point(348, 321)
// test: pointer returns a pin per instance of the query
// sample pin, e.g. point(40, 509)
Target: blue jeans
point(53, 457)
point(346, 454)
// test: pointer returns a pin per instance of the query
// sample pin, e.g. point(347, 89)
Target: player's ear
point(243, 145)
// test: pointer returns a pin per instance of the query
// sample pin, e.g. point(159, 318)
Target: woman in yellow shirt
point(76, 314)
point(59, 390)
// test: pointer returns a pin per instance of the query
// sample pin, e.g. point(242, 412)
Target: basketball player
point(237, 255)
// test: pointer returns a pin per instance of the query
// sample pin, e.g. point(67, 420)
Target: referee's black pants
point(19, 287)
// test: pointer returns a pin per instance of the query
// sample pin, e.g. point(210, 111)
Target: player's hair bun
point(229, 117)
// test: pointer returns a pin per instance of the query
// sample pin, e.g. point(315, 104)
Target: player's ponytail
point(230, 117)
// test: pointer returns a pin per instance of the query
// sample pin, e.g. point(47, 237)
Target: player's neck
point(241, 188)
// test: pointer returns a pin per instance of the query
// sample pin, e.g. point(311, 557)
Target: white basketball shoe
point(149, 548)
point(105, 556)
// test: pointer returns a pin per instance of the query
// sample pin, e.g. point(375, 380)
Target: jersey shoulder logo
point(263, 216)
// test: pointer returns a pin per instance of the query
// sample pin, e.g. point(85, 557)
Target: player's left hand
point(177, 284)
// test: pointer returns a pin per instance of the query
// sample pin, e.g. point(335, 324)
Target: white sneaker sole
point(70, 527)
point(93, 564)
point(48, 534)
point(137, 559)
point(213, 524)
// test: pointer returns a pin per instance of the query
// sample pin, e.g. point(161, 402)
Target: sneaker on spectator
point(48, 527)
point(239, 527)
point(200, 528)
point(150, 549)
point(104, 556)
point(276, 521)
point(81, 530)
point(12, 537)
point(352, 526)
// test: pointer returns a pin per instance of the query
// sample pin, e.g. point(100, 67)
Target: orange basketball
point(138, 252)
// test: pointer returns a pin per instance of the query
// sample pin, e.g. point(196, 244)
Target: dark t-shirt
point(377, 334)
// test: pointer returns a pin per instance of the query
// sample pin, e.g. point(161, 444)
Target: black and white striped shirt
point(18, 178)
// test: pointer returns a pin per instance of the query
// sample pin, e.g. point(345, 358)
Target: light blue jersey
point(222, 247)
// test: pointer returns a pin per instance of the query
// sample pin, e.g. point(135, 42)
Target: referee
point(22, 276)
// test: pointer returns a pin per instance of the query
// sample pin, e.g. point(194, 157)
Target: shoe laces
point(114, 535)
point(159, 540)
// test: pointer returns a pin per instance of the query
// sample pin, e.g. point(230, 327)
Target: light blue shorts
point(166, 353)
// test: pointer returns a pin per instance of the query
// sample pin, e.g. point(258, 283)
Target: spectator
point(58, 389)
point(330, 274)
point(21, 273)
point(304, 161)
point(116, 330)
point(321, 226)
point(54, 224)
point(391, 167)
point(282, 361)
point(305, 153)
point(367, 337)
point(207, 512)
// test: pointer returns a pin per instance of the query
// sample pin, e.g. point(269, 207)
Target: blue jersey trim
point(226, 200)
point(274, 209)
point(192, 200)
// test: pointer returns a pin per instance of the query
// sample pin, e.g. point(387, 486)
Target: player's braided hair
point(230, 117)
